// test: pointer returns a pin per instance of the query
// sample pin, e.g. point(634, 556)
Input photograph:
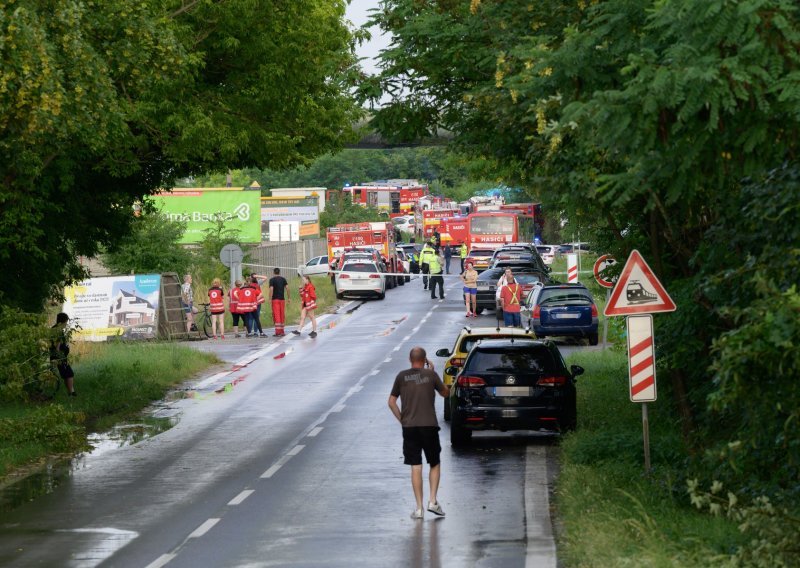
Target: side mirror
point(576, 370)
point(443, 353)
point(452, 370)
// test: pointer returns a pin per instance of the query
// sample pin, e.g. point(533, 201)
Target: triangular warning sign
point(638, 291)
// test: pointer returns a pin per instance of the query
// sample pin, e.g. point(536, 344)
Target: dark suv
point(513, 385)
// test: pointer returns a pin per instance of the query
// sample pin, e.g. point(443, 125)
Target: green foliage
point(207, 264)
point(102, 103)
point(343, 210)
point(24, 349)
point(51, 426)
point(152, 247)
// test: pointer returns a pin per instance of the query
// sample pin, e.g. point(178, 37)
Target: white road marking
point(296, 450)
point(204, 528)
point(375, 372)
point(161, 561)
point(397, 347)
point(315, 431)
point(406, 338)
point(387, 360)
point(241, 497)
point(541, 552)
point(275, 467)
point(338, 408)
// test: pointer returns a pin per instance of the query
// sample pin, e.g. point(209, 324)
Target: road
point(292, 457)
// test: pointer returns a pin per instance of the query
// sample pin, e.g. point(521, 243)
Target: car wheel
point(447, 410)
point(459, 436)
point(593, 339)
point(401, 281)
point(479, 311)
point(570, 418)
point(382, 295)
point(339, 296)
point(408, 278)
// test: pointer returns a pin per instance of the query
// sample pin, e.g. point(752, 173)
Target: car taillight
point(457, 361)
point(470, 382)
point(344, 275)
point(551, 381)
point(594, 311)
point(374, 275)
point(537, 312)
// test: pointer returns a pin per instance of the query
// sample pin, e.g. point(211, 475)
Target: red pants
point(279, 315)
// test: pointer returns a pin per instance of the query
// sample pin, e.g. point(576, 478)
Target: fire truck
point(454, 230)
point(530, 209)
point(431, 219)
point(367, 236)
point(396, 199)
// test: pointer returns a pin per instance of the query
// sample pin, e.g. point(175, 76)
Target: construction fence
point(288, 256)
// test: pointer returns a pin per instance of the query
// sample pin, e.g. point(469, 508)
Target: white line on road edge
point(237, 365)
point(374, 372)
point(406, 338)
point(338, 408)
point(541, 552)
point(397, 347)
point(387, 360)
point(314, 432)
point(161, 561)
point(204, 528)
point(241, 497)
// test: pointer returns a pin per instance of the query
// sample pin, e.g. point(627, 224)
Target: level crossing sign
point(638, 291)
point(572, 268)
point(641, 359)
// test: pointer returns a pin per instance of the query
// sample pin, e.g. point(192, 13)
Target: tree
point(104, 103)
point(152, 247)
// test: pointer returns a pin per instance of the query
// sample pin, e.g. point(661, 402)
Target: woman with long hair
point(308, 303)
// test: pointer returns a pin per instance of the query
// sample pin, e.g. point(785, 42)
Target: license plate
point(483, 285)
point(510, 413)
point(512, 391)
point(567, 316)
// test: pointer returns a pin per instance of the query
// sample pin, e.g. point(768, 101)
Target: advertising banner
point(202, 208)
point(302, 209)
point(115, 306)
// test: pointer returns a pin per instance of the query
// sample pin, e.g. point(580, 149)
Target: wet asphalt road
point(290, 457)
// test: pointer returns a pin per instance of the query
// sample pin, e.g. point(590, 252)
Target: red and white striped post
point(642, 371)
point(572, 268)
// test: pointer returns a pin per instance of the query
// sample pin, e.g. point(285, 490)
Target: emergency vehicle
point(454, 231)
point(386, 196)
point(379, 236)
point(431, 219)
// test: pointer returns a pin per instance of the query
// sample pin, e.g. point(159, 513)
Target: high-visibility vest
point(463, 251)
point(433, 265)
point(216, 300)
point(247, 300)
point(234, 299)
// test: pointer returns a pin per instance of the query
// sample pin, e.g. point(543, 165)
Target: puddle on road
point(54, 472)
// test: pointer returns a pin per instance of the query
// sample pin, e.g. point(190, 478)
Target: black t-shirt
point(278, 285)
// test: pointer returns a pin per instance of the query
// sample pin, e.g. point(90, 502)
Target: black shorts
point(236, 318)
point(65, 371)
point(418, 439)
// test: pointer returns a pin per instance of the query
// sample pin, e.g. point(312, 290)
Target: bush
point(24, 344)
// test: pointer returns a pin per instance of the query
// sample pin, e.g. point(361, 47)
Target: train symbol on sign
point(637, 294)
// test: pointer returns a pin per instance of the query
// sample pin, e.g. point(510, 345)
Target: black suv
point(513, 385)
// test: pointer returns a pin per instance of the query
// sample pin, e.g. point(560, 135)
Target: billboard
point(200, 209)
point(114, 306)
point(302, 209)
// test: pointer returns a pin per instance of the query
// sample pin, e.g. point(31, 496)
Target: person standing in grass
point(278, 296)
point(308, 303)
point(216, 301)
point(59, 353)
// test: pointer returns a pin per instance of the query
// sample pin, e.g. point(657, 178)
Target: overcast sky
point(358, 13)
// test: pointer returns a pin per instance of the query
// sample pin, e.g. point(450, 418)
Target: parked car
point(487, 285)
point(466, 340)
point(401, 256)
point(405, 224)
point(506, 384)
point(514, 248)
point(561, 310)
point(479, 258)
point(569, 248)
point(548, 253)
point(519, 259)
point(317, 265)
point(360, 277)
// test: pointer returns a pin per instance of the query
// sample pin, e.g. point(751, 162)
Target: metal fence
point(288, 256)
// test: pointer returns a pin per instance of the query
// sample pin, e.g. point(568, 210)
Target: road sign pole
point(232, 267)
point(646, 438)
point(605, 321)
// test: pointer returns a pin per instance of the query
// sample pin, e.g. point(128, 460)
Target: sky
point(358, 13)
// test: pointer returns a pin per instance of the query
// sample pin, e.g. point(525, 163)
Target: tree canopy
point(102, 103)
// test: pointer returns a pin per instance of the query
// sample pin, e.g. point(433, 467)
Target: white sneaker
point(436, 509)
point(417, 514)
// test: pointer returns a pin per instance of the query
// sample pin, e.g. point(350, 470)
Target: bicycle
point(202, 320)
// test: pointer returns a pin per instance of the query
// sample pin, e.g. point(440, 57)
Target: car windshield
point(574, 296)
point(469, 342)
point(511, 360)
point(360, 267)
point(493, 225)
point(544, 250)
point(481, 253)
point(527, 278)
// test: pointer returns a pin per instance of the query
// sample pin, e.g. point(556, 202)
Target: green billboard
point(200, 209)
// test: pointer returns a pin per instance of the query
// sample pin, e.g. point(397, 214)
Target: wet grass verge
point(610, 512)
point(115, 381)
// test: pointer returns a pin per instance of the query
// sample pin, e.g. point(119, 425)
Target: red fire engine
point(454, 230)
point(373, 235)
point(396, 199)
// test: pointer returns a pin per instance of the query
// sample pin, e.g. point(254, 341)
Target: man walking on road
point(448, 254)
point(278, 296)
point(436, 277)
point(417, 388)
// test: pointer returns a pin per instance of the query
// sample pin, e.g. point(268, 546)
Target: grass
point(114, 381)
point(613, 514)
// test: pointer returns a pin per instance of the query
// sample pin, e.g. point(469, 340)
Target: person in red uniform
point(308, 303)
point(247, 307)
point(278, 296)
point(255, 283)
point(216, 300)
point(510, 297)
point(233, 302)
